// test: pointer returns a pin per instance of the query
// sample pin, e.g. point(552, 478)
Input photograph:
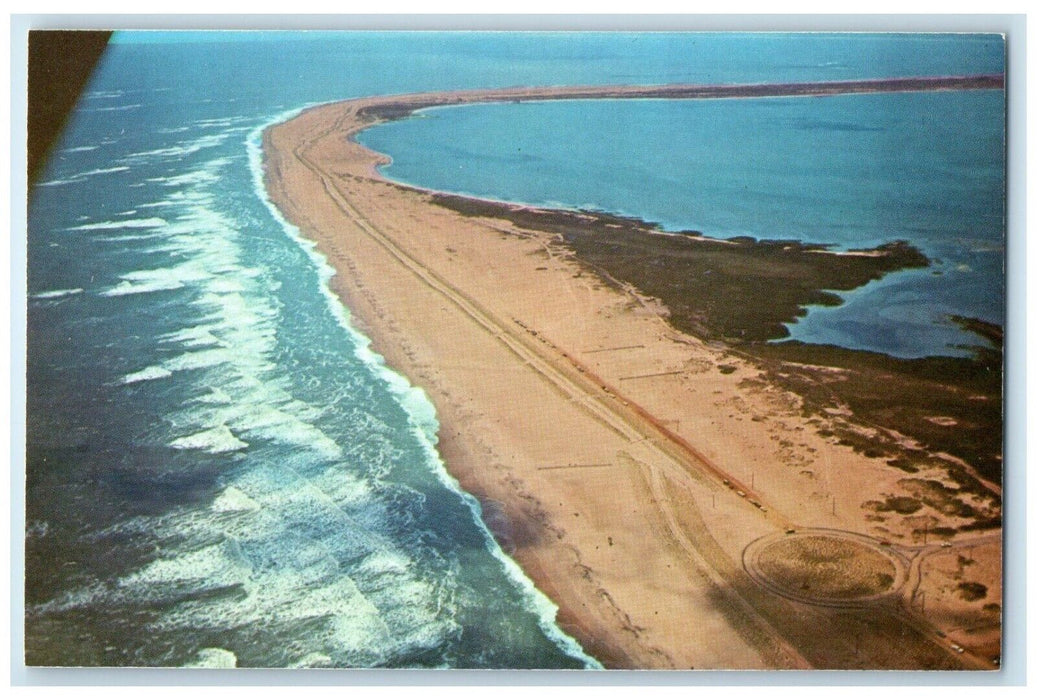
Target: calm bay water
point(219, 470)
point(852, 171)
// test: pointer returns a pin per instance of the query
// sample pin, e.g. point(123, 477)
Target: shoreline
point(719, 308)
point(621, 480)
point(393, 107)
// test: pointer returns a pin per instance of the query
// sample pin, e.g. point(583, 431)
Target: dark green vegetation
point(742, 291)
point(400, 107)
point(905, 505)
point(949, 404)
point(991, 331)
point(733, 290)
point(825, 567)
point(971, 590)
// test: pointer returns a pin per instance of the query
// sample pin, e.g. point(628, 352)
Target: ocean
point(219, 469)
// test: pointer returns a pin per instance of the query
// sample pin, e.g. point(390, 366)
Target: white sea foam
point(103, 94)
point(384, 564)
point(159, 279)
point(124, 288)
point(258, 547)
point(226, 285)
point(79, 149)
point(190, 271)
point(280, 579)
point(420, 410)
point(195, 177)
point(195, 337)
point(83, 176)
point(76, 598)
point(280, 426)
point(222, 123)
point(215, 396)
point(181, 150)
point(56, 293)
point(200, 359)
point(214, 566)
point(130, 238)
point(195, 565)
point(147, 374)
point(293, 550)
point(60, 181)
point(162, 204)
point(150, 222)
point(214, 441)
point(239, 312)
point(313, 660)
point(214, 657)
point(103, 171)
point(251, 406)
point(117, 108)
point(233, 500)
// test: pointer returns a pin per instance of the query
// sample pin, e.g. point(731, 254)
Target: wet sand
point(627, 464)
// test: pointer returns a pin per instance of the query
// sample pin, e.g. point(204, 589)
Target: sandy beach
point(679, 506)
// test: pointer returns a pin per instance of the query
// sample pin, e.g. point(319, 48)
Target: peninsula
point(687, 494)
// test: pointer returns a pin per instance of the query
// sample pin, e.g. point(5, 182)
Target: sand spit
point(631, 466)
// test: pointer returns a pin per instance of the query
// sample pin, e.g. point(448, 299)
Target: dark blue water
point(219, 471)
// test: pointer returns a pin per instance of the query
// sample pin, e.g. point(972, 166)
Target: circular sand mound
point(824, 567)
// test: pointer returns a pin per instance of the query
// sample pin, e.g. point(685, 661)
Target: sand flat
point(629, 471)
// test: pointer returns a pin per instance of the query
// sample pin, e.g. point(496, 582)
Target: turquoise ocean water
point(218, 468)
